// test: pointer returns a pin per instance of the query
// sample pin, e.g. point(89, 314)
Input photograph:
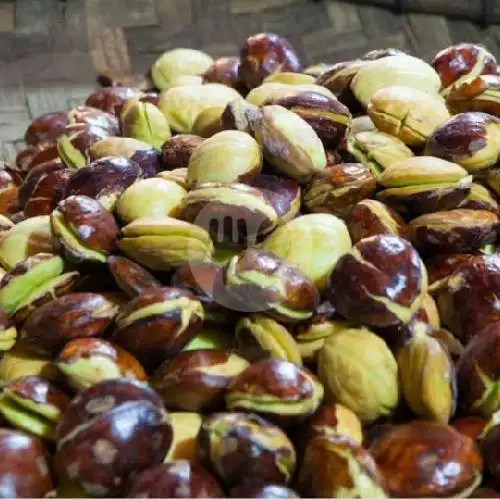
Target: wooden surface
point(51, 50)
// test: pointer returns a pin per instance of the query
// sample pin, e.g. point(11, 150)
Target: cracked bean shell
point(372, 217)
point(427, 459)
point(464, 60)
point(131, 278)
point(407, 113)
point(140, 152)
point(34, 405)
point(338, 188)
point(243, 446)
point(470, 139)
point(197, 380)
point(104, 180)
point(84, 229)
point(468, 300)
point(72, 316)
point(454, 231)
point(336, 466)
point(84, 362)
point(289, 142)
point(276, 389)
point(97, 457)
point(24, 470)
point(175, 479)
point(380, 282)
point(158, 324)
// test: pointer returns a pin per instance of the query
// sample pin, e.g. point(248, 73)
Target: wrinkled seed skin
point(365, 222)
point(130, 277)
point(155, 338)
point(38, 390)
point(461, 136)
point(177, 479)
point(458, 61)
point(94, 226)
point(177, 150)
point(393, 270)
point(475, 204)
point(236, 455)
point(104, 177)
point(468, 302)
point(479, 361)
point(183, 385)
point(46, 128)
point(408, 457)
point(263, 54)
point(24, 468)
point(109, 432)
point(72, 316)
point(112, 99)
point(470, 230)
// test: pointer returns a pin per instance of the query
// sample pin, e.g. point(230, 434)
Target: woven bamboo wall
point(50, 50)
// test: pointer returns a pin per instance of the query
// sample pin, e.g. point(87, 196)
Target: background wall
point(51, 50)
